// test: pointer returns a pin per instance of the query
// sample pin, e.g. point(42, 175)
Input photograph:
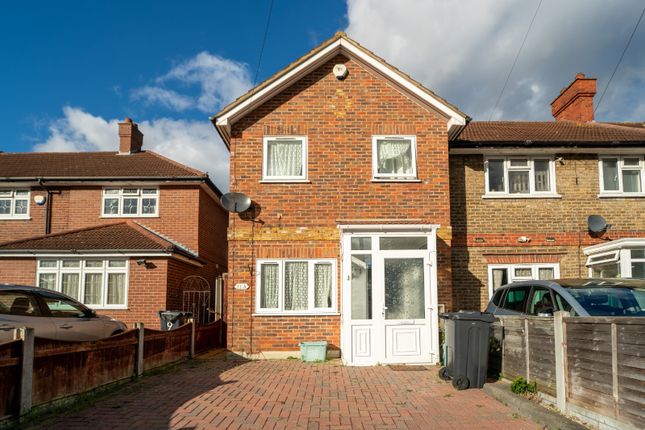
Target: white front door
point(389, 298)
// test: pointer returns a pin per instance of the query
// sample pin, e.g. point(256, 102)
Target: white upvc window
point(622, 175)
point(502, 274)
point(288, 287)
point(130, 202)
point(394, 157)
point(519, 176)
point(284, 158)
point(95, 282)
point(618, 263)
point(14, 204)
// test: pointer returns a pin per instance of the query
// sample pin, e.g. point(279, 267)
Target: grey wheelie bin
point(467, 346)
point(171, 320)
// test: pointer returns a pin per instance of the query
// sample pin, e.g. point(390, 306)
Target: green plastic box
point(313, 351)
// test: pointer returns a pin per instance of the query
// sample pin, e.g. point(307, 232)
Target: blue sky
point(72, 69)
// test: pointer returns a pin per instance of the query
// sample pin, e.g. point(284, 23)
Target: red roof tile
point(547, 133)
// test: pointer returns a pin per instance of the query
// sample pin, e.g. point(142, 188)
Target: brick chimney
point(130, 138)
point(575, 102)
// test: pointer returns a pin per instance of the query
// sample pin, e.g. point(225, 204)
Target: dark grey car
point(582, 297)
point(52, 315)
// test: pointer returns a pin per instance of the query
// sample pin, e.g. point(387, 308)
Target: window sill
point(522, 196)
point(413, 180)
point(15, 218)
point(285, 181)
point(620, 195)
point(296, 314)
point(128, 216)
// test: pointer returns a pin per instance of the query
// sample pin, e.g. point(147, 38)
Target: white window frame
point(12, 197)
point(621, 166)
point(376, 176)
point(530, 168)
point(299, 178)
point(621, 256)
point(139, 196)
point(105, 270)
point(511, 267)
point(311, 310)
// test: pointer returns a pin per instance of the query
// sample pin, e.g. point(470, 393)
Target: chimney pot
point(130, 138)
point(575, 102)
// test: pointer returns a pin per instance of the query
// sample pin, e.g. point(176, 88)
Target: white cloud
point(194, 143)
point(167, 98)
point(218, 80)
point(464, 50)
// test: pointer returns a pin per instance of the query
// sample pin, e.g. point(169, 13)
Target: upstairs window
point(130, 202)
point(520, 176)
point(14, 204)
point(285, 159)
point(621, 175)
point(394, 157)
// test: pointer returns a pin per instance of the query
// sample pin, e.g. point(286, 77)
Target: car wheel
point(443, 374)
point(461, 382)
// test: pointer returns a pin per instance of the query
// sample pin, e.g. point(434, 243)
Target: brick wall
point(339, 119)
point(557, 227)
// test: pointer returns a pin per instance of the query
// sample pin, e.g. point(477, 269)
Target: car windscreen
point(611, 301)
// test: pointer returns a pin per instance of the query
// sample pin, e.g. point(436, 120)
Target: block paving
point(289, 394)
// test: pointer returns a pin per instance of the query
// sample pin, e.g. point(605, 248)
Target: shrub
point(522, 386)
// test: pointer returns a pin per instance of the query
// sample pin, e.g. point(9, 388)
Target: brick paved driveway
point(290, 394)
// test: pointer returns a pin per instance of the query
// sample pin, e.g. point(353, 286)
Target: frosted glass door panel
point(404, 288)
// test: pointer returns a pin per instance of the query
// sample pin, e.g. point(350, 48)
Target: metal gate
point(204, 301)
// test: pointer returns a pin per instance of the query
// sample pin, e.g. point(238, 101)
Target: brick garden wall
point(484, 228)
point(339, 119)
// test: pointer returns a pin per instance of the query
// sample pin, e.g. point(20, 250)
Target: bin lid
point(469, 316)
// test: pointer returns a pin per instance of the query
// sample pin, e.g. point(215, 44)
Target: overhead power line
point(528, 30)
point(631, 36)
point(264, 39)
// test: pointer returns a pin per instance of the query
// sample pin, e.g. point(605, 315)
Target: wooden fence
point(35, 371)
point(594, 367)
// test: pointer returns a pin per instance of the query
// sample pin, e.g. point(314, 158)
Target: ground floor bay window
point(98, 283)
point(622, 258)
point(502, 274)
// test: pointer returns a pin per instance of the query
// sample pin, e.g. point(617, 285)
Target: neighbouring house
point(377, 204)
point(127, 233)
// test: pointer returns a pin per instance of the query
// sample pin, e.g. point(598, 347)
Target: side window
point(541, 302)
point(515, 299)
point(62, 308)
point(17, 303)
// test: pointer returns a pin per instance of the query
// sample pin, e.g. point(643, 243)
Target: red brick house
point(377, 204)
point(119, 231)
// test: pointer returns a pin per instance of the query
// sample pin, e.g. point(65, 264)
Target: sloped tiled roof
point(121, 236)
point(546, 133)
point(92, 165)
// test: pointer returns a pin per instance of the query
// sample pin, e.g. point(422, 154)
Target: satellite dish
point(235, 202)
point(597, 224)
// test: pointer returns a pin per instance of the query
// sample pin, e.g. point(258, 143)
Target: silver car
point(52, 315)
point(582, 297)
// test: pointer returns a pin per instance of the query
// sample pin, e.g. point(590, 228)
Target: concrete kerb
point(501, 391)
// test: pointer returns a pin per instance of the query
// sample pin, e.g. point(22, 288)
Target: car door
point(73, 321)
point(19, 308)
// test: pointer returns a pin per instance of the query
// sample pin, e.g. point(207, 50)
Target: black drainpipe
point(48, 208)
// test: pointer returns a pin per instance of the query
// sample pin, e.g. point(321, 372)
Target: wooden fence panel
point(589, 358)
point(164, 347)
point(514, 349)
point(10, 356)
point(631, 373)
point(542, 354)
point(63, 369)
point(207, 336)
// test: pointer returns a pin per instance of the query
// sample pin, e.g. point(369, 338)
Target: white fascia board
point(614, 244)
point(384, 228)
point(528, 149)
point(455, 118)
